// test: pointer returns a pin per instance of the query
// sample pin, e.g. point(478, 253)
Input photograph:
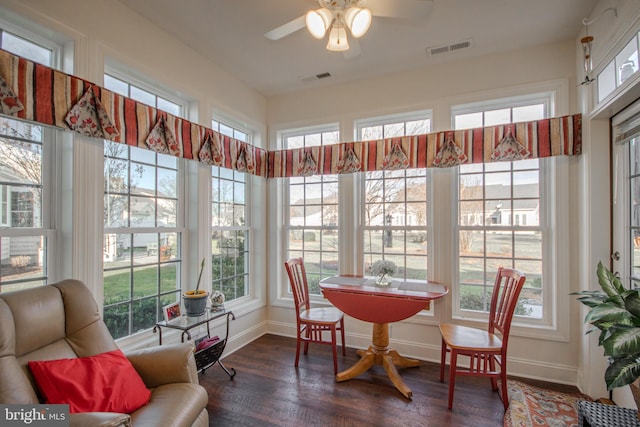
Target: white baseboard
point(556, 373)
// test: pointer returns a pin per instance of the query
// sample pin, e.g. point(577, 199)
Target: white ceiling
point(231, 34)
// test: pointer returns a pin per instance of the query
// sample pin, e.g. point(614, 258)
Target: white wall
point(550, 356)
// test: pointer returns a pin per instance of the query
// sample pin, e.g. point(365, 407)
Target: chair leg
point(443, 359)
point(453, 363)
point(308, 337)
point(335, 350)
point(503, 380)
point(344, 350)
point(298, 339)
point(492, 366)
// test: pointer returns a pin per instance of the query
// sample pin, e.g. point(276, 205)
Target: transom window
point(312, 215)
point(27, 49)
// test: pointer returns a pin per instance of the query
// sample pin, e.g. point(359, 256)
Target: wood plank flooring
point(269, 391)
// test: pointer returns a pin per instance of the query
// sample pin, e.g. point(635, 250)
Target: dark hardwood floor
point(269, 391)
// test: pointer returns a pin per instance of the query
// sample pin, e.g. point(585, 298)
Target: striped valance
point(47, 95)
point(41, 94)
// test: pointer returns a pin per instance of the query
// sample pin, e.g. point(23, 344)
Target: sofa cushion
point(106, 382)
point(172, 405)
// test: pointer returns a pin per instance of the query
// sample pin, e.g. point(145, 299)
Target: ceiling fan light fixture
point(338, 39)
point(318, 22)
point(358, 20)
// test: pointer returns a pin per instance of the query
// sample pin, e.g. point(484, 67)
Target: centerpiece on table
point(195, 302)
point(383, 270)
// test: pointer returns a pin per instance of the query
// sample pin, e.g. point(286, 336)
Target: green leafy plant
point(615, 312)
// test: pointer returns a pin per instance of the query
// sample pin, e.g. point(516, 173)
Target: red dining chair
point(311, 323)
point(486, 349)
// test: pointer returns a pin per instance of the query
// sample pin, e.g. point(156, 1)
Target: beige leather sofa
point(62, 321)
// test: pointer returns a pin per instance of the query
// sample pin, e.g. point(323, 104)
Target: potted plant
point(615, 311)
point(195, 301)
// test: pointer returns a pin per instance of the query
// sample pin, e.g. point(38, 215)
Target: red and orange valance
point(41, 94)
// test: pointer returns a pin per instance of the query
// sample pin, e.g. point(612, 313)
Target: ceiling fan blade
point(406, 9)
point(354, 49)
point(286, 29)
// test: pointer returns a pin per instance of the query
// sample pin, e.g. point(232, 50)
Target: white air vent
point(437, 50)
point(316, 77)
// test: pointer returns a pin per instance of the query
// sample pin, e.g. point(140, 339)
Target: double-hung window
point(395, 212)
point(26, 167)
point(230, 225)
point(502, 215)
point(143, 225)
point(312, 214)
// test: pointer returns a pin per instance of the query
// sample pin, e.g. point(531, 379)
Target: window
point(500, 215)
point(230, 226)
point(312, 215)
point(27, 49)
point(616, 72)
point(25, 231)
point(396, 226)
point(143, 227)
point(26, 149)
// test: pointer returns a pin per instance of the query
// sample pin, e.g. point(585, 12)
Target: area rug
point(531, 406)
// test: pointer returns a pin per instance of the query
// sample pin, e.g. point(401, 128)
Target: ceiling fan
point(339, 17)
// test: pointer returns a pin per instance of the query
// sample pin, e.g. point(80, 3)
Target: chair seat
point(328, 315)
point(464, 338)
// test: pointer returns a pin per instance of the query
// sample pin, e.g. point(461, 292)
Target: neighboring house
point(19, 209)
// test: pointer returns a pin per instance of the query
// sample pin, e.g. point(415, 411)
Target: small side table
point(593, 414)
point(206, 357)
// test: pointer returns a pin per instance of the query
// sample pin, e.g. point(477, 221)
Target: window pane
point(627, 61)
point(27, 49)
point(606, 81)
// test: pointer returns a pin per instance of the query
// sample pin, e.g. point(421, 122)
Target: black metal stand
point(207, 357)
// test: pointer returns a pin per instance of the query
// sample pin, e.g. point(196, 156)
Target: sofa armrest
point(99, 419)
point(166, 364)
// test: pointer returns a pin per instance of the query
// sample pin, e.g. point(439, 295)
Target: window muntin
point(396, 224)
point(312, 212)
point(142, 248)
point(500, 217)
point(230, 226)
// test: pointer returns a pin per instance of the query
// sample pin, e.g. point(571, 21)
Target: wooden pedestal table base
point(380, 354)
point(360, 298)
